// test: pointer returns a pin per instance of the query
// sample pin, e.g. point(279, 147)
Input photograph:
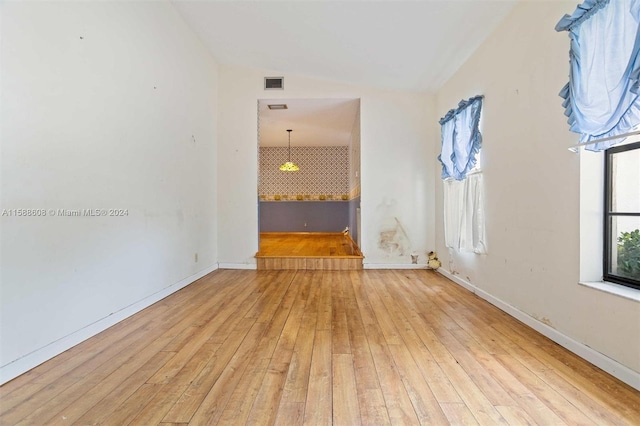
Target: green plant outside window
point(629, 254)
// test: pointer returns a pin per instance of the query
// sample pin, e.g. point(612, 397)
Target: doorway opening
point(309, 218)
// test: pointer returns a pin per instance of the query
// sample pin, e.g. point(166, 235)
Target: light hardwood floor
point(319, 347)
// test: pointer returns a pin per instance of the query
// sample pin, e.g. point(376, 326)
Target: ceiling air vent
point(273, 83)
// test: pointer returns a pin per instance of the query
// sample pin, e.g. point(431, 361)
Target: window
point(464, 227)
point(602, 103)
point(622, 215)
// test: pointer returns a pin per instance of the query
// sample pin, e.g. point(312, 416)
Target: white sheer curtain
point(464, 228)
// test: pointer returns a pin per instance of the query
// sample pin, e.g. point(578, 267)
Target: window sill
point(613, 288)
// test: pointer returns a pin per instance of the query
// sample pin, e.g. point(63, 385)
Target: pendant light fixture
point(289, 166)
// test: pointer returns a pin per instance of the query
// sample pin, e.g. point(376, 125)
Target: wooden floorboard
point(291, 347)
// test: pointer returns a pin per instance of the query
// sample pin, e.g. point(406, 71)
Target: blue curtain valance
point(601, 99)
point(581, 14)
point(461, 138)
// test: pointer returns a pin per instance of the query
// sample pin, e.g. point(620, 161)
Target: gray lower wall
point(308, 216)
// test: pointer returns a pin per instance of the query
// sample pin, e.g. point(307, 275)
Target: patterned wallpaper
point(323, 174)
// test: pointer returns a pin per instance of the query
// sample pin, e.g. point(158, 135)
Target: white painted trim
point(575, 148)
point(613, 288)
point(237, 266)
point(394, 266)
point(627, 375)
point(31, 360)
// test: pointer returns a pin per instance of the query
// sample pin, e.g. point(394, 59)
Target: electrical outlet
point(196, 257)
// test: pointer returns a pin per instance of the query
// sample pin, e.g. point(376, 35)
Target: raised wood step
point(308, 251)
point(274, 263)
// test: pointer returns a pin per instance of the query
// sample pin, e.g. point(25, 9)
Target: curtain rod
point(576, 148)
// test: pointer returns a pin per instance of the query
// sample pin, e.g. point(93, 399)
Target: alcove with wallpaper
point(309, 218)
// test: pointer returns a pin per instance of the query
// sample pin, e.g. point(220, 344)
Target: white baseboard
point(37, 357)
point(621, 372)
point(395, 266)
point(237, 266)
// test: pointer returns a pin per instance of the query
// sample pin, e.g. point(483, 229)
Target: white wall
point(397, 141)
point(104, 105)
point(532, 185)
point(354, 157)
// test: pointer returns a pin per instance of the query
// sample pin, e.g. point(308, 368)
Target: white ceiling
point(315, 122)
point(396, 44)
point(412, 45)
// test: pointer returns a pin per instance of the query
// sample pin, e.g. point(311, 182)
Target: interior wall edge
point(29, 361)
point(617, 370)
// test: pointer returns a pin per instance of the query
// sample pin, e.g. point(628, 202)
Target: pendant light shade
point(289, 166)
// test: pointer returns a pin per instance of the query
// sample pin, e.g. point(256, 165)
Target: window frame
point(608, 214)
